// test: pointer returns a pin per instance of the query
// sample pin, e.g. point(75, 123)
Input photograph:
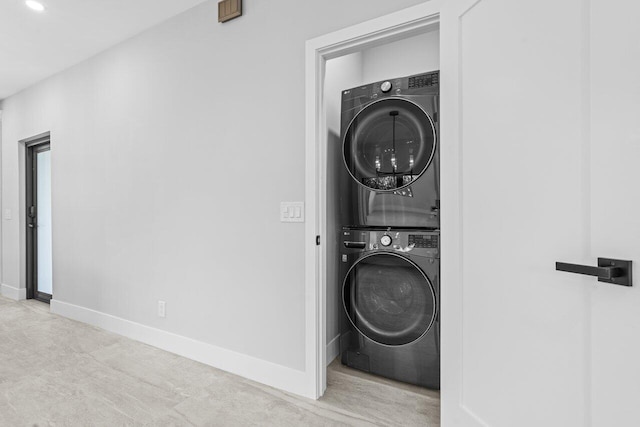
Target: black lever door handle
point(608, 270)
point(602, 272)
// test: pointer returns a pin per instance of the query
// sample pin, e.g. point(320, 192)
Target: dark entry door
point(39, 236)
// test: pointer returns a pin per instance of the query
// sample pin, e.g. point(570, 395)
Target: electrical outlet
point(161, 309)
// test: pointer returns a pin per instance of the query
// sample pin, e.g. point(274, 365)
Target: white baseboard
point(13, 293)
point(262, 371)
point(333, 349)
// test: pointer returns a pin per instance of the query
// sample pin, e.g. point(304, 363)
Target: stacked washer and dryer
point(390, 235)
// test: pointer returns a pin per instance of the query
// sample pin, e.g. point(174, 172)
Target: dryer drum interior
point(389, 299)
point(389, 144)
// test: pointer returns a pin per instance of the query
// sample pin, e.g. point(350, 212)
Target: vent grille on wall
point(229, 9)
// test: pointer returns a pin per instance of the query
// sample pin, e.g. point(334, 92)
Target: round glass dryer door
point(389, 144)
point(389, 299)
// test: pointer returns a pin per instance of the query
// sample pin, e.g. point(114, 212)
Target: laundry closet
point(383, 201)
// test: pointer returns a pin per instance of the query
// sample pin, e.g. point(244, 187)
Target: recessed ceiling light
point(37, 6)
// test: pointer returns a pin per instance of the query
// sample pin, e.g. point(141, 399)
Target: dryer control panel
point(398, 86)
point(422, 80)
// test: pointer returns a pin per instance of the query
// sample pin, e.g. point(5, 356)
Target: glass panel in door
point(44, 249)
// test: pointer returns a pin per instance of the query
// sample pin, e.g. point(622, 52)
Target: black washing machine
point(389, 132)
point(390, 323)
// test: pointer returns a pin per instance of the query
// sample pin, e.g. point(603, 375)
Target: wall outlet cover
point(161, 309)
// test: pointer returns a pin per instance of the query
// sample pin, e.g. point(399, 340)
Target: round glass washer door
point(389, 299)
point(389, 144)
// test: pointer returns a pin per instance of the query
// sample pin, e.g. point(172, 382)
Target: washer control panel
point(423, 241)
point(410, 242)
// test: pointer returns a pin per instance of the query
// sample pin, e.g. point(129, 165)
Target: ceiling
point(36, 45)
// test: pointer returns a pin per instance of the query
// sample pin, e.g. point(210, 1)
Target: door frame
point(32, 146)
point(393, 27)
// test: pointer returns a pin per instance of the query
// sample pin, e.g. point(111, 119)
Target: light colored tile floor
point(58, 372)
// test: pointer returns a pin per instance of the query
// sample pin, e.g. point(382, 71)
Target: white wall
point(340, 73)
point(405, 57)
point(170, 155)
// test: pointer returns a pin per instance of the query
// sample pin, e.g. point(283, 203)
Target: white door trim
point(395, 26)
point(452, 409)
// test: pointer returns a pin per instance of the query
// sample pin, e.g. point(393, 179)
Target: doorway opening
point(365, 53)
point(39, 255)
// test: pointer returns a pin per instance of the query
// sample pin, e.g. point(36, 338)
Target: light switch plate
point(292, 212)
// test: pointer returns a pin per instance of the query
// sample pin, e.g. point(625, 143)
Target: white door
point(541, 162)
point(615, 208)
